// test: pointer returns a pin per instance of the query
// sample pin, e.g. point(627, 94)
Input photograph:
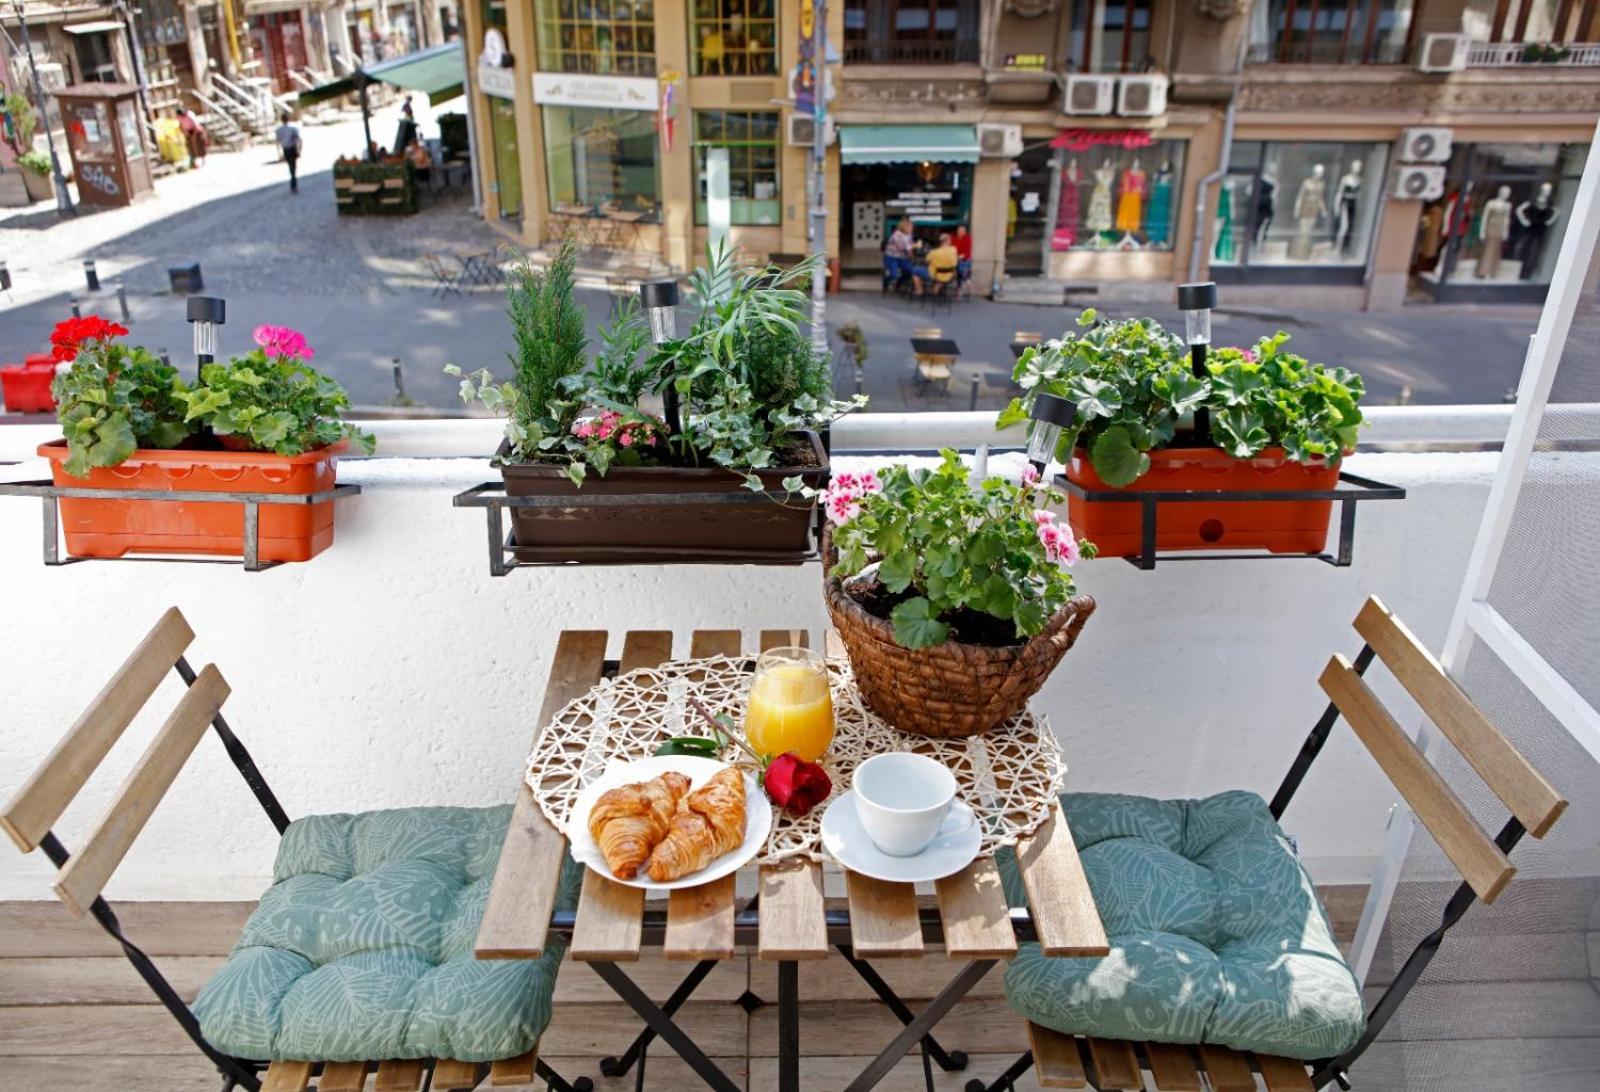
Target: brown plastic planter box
point(1283, 527)
point(658, 532)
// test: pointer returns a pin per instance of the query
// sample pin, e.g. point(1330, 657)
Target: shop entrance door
point(1028, 211)
point(507, 165)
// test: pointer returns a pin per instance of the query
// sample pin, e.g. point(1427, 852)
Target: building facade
point(1358, 154)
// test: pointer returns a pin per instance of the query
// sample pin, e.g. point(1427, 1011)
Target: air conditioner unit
point(1000, 141)
point(1443, 53)
point(1090, 95)
point(803, 131)
point(1426, 145)
point(1413, 183)
point(1142, 96)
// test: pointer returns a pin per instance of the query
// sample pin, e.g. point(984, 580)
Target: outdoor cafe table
point(788, 920)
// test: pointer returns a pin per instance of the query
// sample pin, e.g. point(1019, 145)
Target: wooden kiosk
point(110, 159)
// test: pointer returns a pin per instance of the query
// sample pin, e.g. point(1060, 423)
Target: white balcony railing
point(1517, 54)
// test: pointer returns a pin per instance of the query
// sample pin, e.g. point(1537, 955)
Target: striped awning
point(908, 143)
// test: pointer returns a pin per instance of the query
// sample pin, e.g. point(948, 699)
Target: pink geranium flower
point(1030, 476)
point(842, 508)
point(1041, 516)
point(845, 482)
point(282, 341)
point(868, 482)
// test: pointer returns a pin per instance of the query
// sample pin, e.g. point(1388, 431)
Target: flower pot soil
point(1282, 527)
point(115, 528)
point(644, 533)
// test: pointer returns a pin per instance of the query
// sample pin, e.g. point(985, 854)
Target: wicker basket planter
point(952, 690)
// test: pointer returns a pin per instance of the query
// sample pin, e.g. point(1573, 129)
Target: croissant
point(709, 823)
point(629, 820)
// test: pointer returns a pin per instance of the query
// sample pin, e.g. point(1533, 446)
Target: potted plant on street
point(954, 601)
point(20, 123)
point(1275, 423)
point(261, 423)
point(742, 395)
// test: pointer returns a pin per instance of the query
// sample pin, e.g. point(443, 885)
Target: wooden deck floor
point(73, 1015)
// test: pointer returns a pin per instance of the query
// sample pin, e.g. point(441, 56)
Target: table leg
point(969, 977)
point(663, 1026)
point(616, 1066)
point(949, 1061)
point(788, 1026)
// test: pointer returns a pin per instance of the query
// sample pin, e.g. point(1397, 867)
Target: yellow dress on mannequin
point(1130, 204)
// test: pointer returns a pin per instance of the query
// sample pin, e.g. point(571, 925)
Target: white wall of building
point(393, 670)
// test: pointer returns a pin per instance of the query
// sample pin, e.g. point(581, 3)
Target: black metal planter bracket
point(52, 494)
point(1351, 490)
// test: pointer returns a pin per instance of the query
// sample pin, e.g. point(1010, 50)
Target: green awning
point(439, 72)
point(908, 143)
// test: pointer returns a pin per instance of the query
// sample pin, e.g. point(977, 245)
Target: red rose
point(796, 785)
point(71, 333)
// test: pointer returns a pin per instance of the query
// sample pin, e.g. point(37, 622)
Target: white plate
point(847, 842)
point(757, 817)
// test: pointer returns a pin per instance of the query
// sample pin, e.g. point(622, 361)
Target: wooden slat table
point(788, 921)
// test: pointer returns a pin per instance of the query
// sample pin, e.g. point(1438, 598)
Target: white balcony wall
point(393, 670)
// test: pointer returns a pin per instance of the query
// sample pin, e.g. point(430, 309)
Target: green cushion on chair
point(1216, 933)
point(361, 950)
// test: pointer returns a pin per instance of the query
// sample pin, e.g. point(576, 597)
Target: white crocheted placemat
point(1010, 776)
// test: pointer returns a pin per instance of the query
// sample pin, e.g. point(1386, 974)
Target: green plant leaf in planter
point(1116, 459)
point(897, 570)
point(1239, 432)
point(915, 626)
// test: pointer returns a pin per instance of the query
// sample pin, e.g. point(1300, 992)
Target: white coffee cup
point(905, 800)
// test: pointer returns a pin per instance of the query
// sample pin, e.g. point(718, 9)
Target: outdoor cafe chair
point(359, 955)
point(445, 279)
point(1222, 958)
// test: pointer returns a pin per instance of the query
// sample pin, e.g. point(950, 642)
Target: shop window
point(1501, 219)
point(494, 14)
point(1298, 204)
point(751, 138)
point(601, 160)
point(1332, 31)
point(911, 31)
point(1109, 35)
point(934, 197)
point(1116, 198)
point(610, 37)
point(735, 37)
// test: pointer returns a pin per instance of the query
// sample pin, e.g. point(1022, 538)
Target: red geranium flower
point(71, 333)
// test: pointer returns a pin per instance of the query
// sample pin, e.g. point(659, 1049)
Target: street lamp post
point(63, 198)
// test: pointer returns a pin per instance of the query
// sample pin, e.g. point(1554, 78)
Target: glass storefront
point(1028, 211)
point(601, 160)
point(507, 165)
point(935, 197)
point(1302, 211)
point(1496, 231)
point(751, 137)
point(1115, 197)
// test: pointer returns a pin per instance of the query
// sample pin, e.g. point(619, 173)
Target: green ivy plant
point(1133, 386)
point(114, 399)
point(270, 403)
point(942, 546)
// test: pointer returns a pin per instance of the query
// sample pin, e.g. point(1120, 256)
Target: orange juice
point(790, 707)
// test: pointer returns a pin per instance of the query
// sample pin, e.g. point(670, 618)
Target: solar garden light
point(660, 300)
point(206, 313)
point(1196, 301)
point(1051, 413)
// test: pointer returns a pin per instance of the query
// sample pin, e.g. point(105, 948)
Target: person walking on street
point(289, 143)
point(194, 136)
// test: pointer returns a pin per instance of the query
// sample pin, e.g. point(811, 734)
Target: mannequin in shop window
point(1225, 244)
point(1099, 217)
point(1310, 206)
point(1494, 229)
point(1066, 233)
point(1533, 224)
point(1130, 202)
point(1266, 202)
point(1159, 213)
point(1349, 199)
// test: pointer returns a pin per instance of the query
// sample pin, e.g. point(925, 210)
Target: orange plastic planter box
point(115, 528)
point(1282, 527)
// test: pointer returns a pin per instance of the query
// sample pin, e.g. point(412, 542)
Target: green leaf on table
point(693, 746)
point(915, 626)
point(1116, 459)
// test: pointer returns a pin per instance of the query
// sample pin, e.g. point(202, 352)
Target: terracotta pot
point(114, 528)
point(642, 533)
point(1283, 527)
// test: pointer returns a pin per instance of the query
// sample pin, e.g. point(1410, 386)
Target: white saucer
point(847, 842)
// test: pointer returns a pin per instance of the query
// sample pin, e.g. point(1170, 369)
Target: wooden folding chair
point(82, 877)
point(930, 369)
point(1078, 1061)
point(446, 279)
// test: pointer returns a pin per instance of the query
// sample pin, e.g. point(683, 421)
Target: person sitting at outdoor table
point(421, 162)
point(897, 255)
point(942, 263)
point(963, 245)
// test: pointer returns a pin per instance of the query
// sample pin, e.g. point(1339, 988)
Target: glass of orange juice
point(790, 708)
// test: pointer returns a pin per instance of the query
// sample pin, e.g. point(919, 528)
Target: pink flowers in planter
point(842, 501)
point(282, 341)
point(610, 426)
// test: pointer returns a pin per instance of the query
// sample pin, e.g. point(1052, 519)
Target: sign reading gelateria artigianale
point(605, 92)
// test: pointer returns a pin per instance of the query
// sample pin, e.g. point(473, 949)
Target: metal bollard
point(400, 398)
point(122, 302)
point(165, 357)
point(861, 381)
point(972, 403)
point(90, 277)
point(76, 313)
point(5, 278)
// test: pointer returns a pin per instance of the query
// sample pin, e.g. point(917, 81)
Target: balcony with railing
point(910, 51)
point(1532, 55)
